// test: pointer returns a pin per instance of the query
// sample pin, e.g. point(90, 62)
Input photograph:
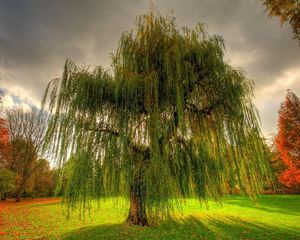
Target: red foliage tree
point(5, 146)
point(4, 135)
point(288, 140)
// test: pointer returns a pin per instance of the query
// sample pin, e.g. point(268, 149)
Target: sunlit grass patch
point(271, 217)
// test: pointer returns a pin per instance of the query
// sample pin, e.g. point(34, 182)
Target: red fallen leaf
point(2, 233)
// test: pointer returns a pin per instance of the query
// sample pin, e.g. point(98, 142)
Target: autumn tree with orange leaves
point(287, 140)
point(26, 133)
point(4, 137)
point(7, 177)
point(5, 147)
point(287, 11)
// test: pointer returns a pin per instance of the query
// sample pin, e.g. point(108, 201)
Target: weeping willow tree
point(172, 121)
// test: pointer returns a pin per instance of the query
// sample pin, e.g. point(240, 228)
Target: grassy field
point(271, 217)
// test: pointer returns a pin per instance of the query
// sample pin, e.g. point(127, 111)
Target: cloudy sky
point(37, 36)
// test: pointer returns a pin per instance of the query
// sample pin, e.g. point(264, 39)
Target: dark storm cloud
point(37, 36)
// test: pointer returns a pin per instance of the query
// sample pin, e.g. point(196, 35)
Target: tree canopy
point(288, 140)
point(21, 144)
point(287, 11)
point(172, 120)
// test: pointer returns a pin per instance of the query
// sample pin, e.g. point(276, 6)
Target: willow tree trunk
point(137, 212)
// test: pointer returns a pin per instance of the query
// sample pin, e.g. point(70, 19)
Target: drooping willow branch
point(128, 141)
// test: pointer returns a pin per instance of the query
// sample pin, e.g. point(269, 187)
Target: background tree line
point(34, 176)
point(23, 169)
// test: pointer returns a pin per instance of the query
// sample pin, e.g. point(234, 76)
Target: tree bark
point(137, 212)
point(18, 196)
point(21, 188)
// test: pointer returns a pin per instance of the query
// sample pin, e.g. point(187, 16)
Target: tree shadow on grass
point(284, 204)
point(188, 228)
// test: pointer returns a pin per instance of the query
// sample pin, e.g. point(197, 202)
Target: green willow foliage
point(173, 116)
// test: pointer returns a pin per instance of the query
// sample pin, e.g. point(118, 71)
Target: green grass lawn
point(271, 217)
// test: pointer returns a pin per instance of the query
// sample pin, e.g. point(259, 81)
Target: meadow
point(269, 217)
